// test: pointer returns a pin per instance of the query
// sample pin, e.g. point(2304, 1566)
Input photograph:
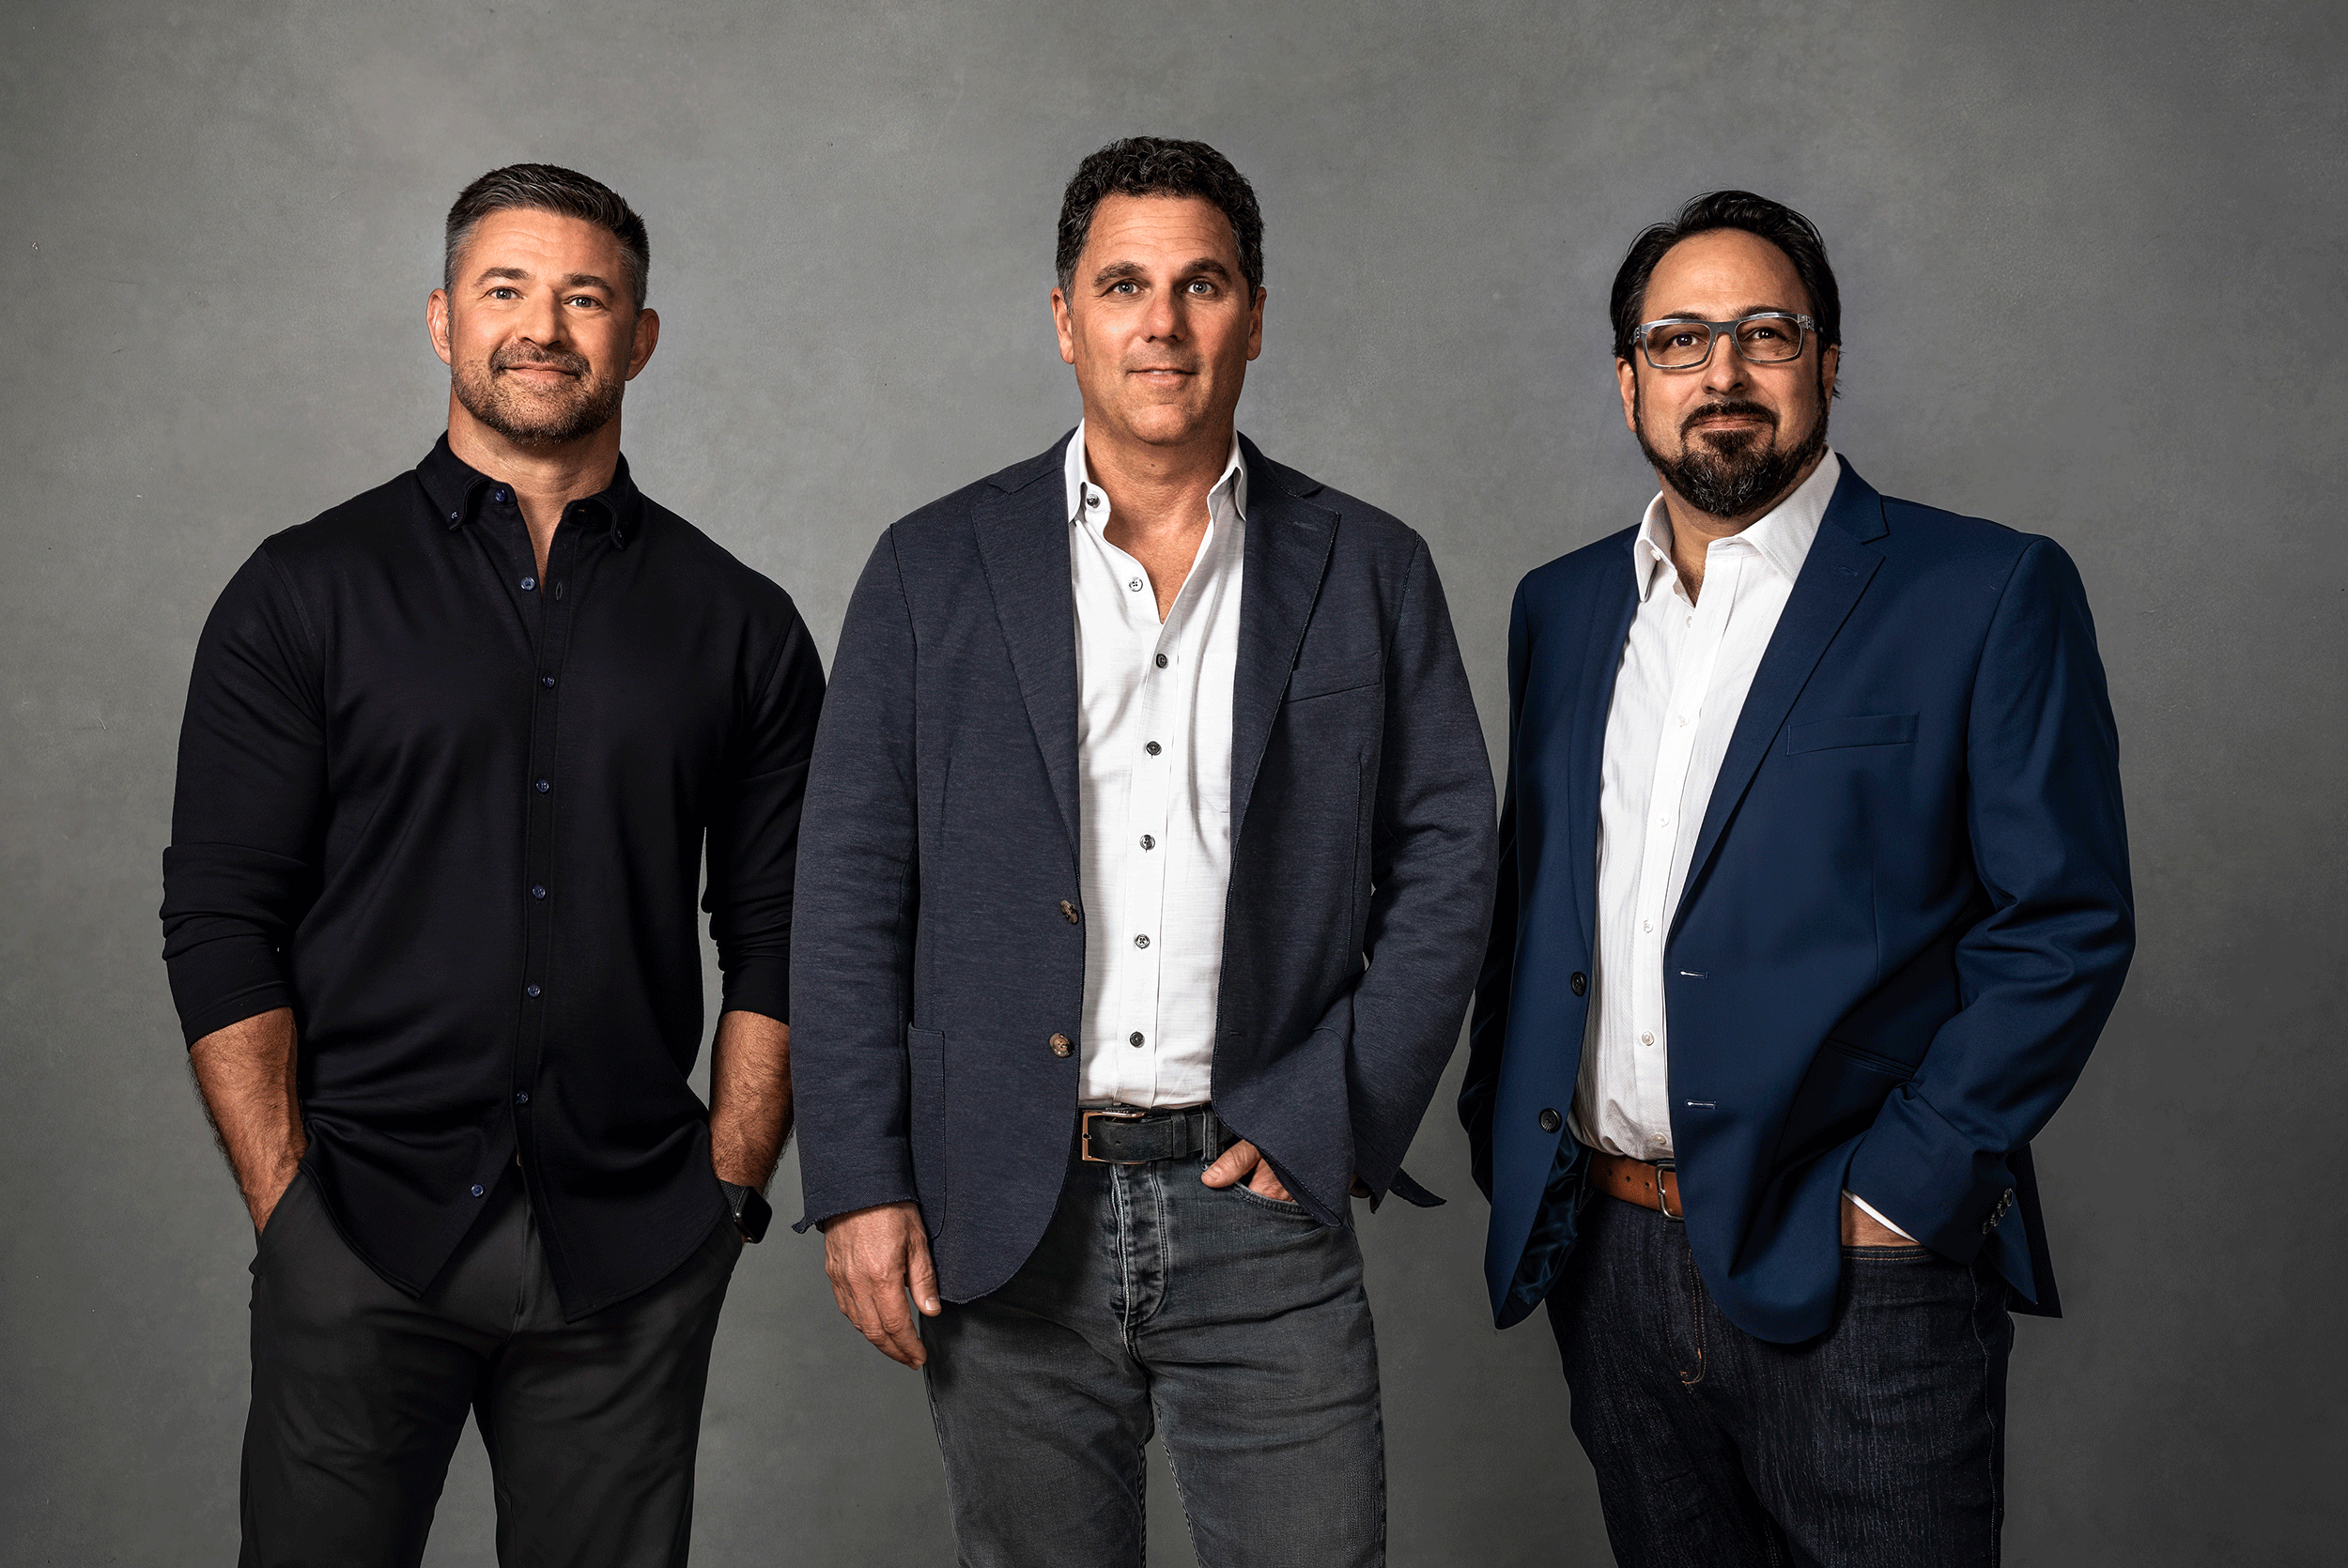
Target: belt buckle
point(1084, 1134)
point(1662, 1204)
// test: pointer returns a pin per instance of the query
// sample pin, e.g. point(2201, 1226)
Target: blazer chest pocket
point(926, 1050)
point(1332, 680)
point(1832, 734)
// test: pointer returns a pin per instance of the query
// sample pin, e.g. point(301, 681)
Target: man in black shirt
point(451, 755)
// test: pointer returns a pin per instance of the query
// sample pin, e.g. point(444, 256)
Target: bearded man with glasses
point(1813, 898)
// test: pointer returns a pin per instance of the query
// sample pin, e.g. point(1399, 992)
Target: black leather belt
point(1124, 1135)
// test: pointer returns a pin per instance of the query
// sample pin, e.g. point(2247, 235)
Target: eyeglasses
point(1769, 339)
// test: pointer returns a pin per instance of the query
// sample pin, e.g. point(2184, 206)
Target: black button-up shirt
point(453, 817)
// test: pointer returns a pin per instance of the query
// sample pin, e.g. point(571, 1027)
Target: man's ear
point(1255, 322)
point(1626, 376)
point(1830, 360)
point(647, 338)
point(1062, 326)
point(436, 323)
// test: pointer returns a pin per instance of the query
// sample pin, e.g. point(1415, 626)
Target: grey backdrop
point(2091, 266)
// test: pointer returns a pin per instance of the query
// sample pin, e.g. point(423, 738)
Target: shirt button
point(548, 680)
point(1643, 924)
point(1141, 942)
point(1551, 1121)
point(1148, 842)
point(521, 1097)
point(1663, 822)
point(1646, 1040)
point(1133, 1038)
point(1659, 1139)
point(1160, 661)
point(530, 990)
point(529, 583)
point(478, 1188)
point(1092, 498)
point(498, 495)
point(1580, 982)
point(544, 785)
point(1134, 585)
point(538, 890)
point(456, 516)
point(1060, 1046)
point(1153, 749)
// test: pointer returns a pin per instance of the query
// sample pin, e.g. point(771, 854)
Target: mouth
point(1161, 373)
point(545, 373)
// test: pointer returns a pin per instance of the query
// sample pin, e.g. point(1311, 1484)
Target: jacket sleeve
point(2039, 974)
point(243, 867)
point(754, 828)
point(858, 898)
point(1432, 857)
point(1488, 1023)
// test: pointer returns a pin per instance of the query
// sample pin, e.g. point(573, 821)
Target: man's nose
point(543, 322)
point(1726, 371)
point(1162, 320)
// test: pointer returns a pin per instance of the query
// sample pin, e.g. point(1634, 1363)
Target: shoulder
point(948, 519)
point(1574, 576)
point(361, 527)
point(1363, 530)
point(1969, 556)
point(715, 569)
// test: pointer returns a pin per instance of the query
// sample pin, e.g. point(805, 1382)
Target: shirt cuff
point(1876, 1215)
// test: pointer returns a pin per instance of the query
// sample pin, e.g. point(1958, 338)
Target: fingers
point(1237, 1161)
point(1266, 1185)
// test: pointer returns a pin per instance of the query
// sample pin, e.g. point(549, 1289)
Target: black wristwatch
point(752, 1213)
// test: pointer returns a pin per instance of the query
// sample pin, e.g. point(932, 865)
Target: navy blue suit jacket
point(1908, 917)
point(933, 959)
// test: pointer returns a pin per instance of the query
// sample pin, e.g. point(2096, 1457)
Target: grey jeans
point(1234, 1325)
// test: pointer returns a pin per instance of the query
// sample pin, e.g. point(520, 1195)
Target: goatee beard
point(587, 405)
point(1737, 474)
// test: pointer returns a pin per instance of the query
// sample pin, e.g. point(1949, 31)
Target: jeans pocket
point(279, 1218)
point(1277, 1206)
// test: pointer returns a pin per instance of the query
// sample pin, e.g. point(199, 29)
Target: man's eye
point(587, 299)
point(503, 293)
point(1200, 285)
point(1122, 285)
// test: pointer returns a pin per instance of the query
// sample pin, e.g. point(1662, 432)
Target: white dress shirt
point(1154, 769)
point(1686, 667)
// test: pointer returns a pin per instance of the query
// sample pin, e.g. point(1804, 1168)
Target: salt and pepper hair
point(550, 188)
point(1154, 167)
point(1774, 221)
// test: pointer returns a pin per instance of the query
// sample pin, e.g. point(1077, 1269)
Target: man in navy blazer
point(1143, 879)
point(1813, 898)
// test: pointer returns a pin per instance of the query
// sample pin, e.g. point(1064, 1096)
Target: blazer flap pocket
point(1826, 734)
point(1327, 680)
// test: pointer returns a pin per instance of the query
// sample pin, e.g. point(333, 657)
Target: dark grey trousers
point(360, 1392)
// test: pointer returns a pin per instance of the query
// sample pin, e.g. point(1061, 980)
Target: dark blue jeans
point(1233, 1324)
point(1881, 1442)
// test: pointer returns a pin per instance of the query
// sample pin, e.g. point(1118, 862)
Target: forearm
point(750, 1098)
point(245, 1076)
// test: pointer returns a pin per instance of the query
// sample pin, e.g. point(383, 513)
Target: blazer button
point(1580, 982)
point(1060, 1046)
point(1551, 1121)
point(1068, 912)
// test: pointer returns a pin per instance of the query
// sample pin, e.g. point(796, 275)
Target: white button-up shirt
point(1686, 667)
point(1154, 769)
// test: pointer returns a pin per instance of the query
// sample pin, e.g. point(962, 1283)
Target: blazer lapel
point(1023, 545)
point(1614, 601)
point(1833, 577)
point(1288, 541)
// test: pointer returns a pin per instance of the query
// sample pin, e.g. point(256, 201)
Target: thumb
point(1236, 1161)
point(922, 1277)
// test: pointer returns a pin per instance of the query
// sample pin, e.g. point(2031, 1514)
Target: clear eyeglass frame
point(1716, 330)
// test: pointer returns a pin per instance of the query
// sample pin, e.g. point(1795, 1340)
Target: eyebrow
point(1748, 310)
point(1118, 270)
point(524, 275)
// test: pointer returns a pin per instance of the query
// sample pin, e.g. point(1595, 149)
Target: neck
point(1156, 491)
point(546, 477)
point(1692, 531)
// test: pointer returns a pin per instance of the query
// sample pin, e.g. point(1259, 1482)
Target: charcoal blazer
point(1908, 917)
point(939, 931)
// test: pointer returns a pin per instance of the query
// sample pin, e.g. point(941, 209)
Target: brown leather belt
point(1655, 1187)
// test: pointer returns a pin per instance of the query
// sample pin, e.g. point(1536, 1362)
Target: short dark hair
point(549, 187)
point(1154, 167)
point(1774, 221)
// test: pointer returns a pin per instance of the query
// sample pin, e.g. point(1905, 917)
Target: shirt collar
point(1780, 536)
point(456, 489)
point(1077, 478)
